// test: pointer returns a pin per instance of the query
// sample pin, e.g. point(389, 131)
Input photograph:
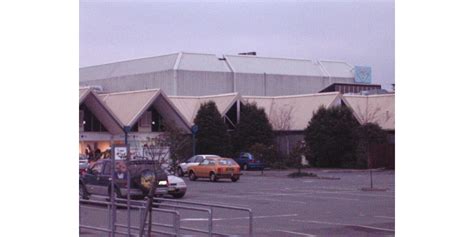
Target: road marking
point(237, 218)
point(350, 225)
point(303, 194)
point(254, 197)
point(386, 217)
point(296, 233)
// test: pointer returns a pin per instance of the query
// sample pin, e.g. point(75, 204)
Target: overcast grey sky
point(358, 32)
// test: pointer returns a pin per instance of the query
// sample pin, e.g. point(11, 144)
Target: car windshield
point(227, 162)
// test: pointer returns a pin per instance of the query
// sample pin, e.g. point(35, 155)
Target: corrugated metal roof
point(83, 92)
point(279, 66)
point(129, 106)
point(189, 105)
point(129, 67)
point(100, 110)
point(337, 69)
point(378, 109)
point(293, 112)
point(202, 62)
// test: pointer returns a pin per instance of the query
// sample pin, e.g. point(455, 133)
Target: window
point(90, 122)
point(107, 168)
point(209, 162)
point(199, 159)
point(81, 120)
point(145, 120)
point(97, 168)
point(225, 162)
point(191, 160)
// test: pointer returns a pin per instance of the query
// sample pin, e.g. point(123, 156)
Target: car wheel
point(192, 176)
point(245, 167)
point(180, 172)
point(83, 192)
point(178, 195)
point(213, 177)
point(234, 179)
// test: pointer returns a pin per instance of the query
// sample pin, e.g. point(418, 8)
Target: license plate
point(230, 169)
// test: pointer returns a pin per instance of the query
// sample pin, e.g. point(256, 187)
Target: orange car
point(214, 169)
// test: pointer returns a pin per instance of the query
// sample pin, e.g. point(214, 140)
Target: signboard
point(363, 74)
point(120, 152)
point(194, 129)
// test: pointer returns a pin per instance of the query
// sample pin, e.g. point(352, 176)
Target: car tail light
point(252, 161)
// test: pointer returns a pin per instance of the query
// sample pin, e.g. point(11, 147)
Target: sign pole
point(194, 130)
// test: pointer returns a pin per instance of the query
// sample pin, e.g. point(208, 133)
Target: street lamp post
point(126, 129)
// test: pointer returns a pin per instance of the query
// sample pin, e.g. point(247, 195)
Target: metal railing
point(176, 226)
point(211, 206)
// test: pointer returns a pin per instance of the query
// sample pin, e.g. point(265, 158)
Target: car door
point(92, 178)
point(196, 161)
point(188, 163)
point(105, 179)
point(202, 170)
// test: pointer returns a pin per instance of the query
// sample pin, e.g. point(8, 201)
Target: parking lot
point(331, 205)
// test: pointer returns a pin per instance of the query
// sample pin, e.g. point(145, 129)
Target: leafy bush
point(367, 134)
point(212, 136)
point(254, 128)
point(331, 138)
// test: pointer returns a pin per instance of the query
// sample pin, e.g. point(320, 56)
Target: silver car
point(177, 187)
point(195, 160)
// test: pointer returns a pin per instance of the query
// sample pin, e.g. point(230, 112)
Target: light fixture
point(84, 122)
point(153, 122)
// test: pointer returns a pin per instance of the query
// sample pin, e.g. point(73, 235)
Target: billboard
point(363, 74)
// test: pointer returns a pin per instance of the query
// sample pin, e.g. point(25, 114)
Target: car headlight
point(163, 182)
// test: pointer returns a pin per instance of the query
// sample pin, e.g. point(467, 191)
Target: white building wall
point(250, 84)
point(164, 80)
point(198, 83)
point(294, 85)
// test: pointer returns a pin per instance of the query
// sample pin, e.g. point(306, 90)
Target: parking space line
point(303, 194)
point(238, 218)
point(296, 233)
point(386, 217)
point(255, 198)
point(349, 225)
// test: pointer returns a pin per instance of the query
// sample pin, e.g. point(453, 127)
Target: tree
point(254, 127)
point(212, 136)
point(297, 154)
point(282, 120)
point(331, 138)
point(368, 134)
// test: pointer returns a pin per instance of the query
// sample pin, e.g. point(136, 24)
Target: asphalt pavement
point(332, 203)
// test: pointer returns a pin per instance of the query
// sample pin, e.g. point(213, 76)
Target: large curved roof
point(212, 63)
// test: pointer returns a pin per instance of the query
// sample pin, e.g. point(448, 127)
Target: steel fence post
point(210, 223)
point(250, 223)
point(177, 221)
point(108, 216)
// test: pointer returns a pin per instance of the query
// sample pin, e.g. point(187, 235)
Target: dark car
point(98, 179)
point(247, 161)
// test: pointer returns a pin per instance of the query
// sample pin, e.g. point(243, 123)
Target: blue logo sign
point(363, 74)
point(194, 129)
